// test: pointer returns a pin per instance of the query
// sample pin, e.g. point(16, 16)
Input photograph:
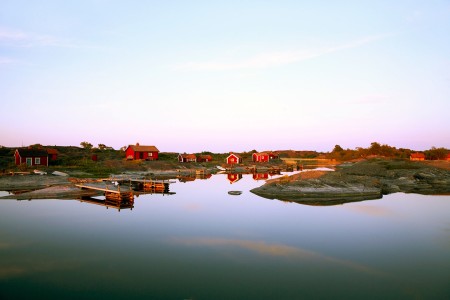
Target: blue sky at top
point(221, 76)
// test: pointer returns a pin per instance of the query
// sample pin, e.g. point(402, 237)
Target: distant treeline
point(111, 158)
point(377, 149)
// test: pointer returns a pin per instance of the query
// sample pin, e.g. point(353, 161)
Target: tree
point(86, 145)
point(375, 148)
point(337, 148)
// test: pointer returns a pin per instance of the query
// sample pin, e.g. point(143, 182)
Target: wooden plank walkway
point(110, 194)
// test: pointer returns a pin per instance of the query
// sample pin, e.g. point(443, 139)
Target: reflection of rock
point(360, 181)
point(54, 192)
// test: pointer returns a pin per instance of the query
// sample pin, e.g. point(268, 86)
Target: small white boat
point(39, 172)
point(58, 173)
point(235, 193)
point(220, 168)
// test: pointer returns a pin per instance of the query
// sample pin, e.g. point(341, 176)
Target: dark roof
point(32, 152)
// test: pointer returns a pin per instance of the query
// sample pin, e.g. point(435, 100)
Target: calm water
point(202, 243)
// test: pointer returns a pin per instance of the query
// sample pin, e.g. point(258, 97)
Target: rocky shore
point(358, 181)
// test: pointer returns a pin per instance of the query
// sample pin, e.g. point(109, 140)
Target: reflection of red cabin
point(31, 157)
point(52, 154)
point(234, 177)
point(260, 176)
point(417, 156)
point(187, 157)
point(260, 157)
point(273, 155)
point(141, 152)
point(234, 159)
point(204, 158)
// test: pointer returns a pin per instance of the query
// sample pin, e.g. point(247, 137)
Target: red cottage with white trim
point(141, 152)
point(233, 159)
point(260, 157)
point(187, 157)
point(31, 157)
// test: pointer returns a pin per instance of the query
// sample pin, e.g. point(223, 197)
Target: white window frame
point(37, 160)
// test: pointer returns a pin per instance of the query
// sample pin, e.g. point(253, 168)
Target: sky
point(192, 76)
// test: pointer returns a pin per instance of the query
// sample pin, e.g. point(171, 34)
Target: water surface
point(202, 243)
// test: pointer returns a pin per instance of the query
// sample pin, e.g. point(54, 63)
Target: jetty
point(113, 195)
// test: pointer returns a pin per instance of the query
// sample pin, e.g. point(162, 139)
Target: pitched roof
point(140, 148)
point(238, 156)
point(205, 156)
point(32, 152)
point(261, 153)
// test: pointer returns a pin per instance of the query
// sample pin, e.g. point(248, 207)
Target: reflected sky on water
point(202, 243)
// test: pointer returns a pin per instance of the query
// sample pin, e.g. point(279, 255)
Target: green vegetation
point(103, 160)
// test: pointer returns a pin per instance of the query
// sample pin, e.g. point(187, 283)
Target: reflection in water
point(264, 248)
point(234, 177)
point(204, 244)
point(108, 203)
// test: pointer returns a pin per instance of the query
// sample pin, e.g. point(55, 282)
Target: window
point(150, 154)
point(37, 160)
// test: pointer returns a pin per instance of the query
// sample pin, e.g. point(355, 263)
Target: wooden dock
point(144, 185)
point(111, 194)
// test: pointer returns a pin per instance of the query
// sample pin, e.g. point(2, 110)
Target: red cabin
point(233, 159)
point(187, 157)
point(141, 152)
point(260, 157)
point(204, 158)
point(31, 157)
point(417, 156)
point(447, 157)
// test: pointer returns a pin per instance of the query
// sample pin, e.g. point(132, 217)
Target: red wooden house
point(417, 156)
point(233, 159)
point(141, 152)
point(447, 157)
point(187, 157)
point(204, 158)
point(234, 177)
point(260, 157)
point(31, 157)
